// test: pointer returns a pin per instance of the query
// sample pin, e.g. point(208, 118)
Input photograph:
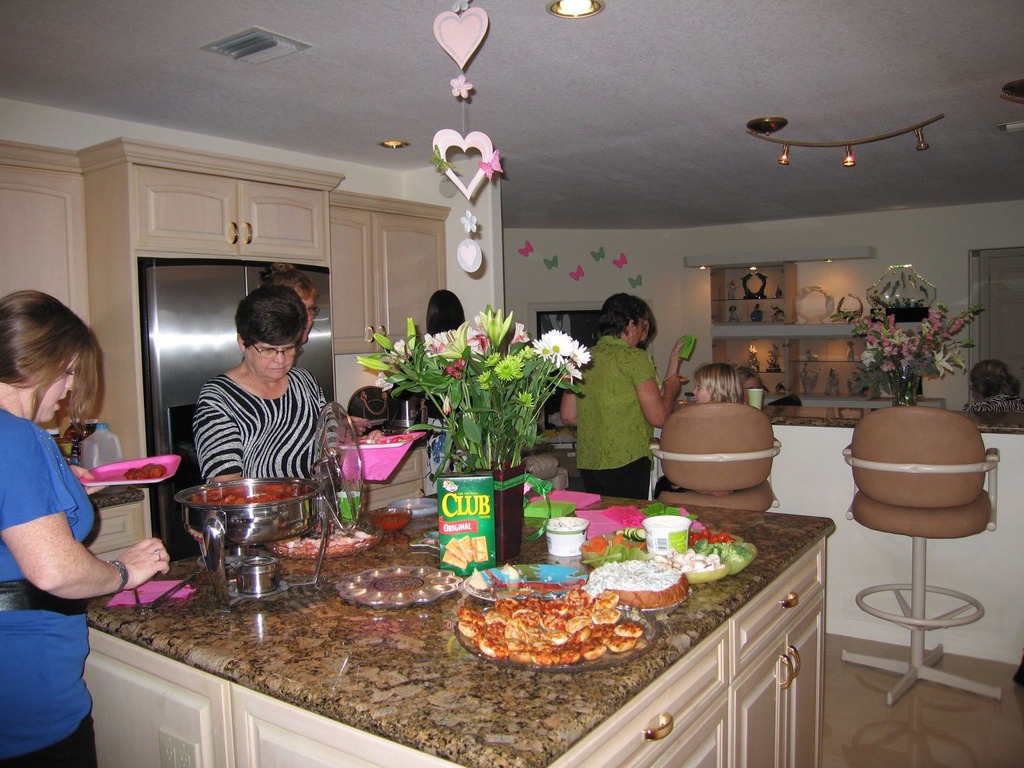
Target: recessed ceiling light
point(575, 9)
point(394, 144)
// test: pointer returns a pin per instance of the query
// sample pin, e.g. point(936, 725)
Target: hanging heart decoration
point(447, 138)
point(469, 255)
point(460, 36)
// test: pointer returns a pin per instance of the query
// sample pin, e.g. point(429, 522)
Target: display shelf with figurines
point(751, 295)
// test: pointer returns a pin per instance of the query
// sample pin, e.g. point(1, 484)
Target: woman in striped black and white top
point(258, 419)
point(994, 388)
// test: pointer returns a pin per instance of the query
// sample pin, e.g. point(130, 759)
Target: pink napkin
point(381, 458)
point(605, 521)
point(580, 499)
point(149, 592)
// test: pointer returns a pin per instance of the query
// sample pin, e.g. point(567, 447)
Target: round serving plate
point(397, 587)
point(609, 659)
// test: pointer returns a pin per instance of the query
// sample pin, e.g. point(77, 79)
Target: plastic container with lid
point(101, 447)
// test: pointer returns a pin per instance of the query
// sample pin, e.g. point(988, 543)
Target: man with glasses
point(259, 418)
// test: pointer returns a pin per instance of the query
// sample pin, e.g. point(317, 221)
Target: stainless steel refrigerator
point(188, 336)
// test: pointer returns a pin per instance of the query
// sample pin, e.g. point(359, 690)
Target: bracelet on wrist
point(121, 569)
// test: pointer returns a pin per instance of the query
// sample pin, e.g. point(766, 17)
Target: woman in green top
point(620, 401)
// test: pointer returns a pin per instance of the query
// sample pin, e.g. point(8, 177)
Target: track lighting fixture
point(1013, 91)
point(763, 128)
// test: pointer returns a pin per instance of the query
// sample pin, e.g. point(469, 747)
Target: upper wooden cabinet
point(387, 258)
point(42, 224)
point(199, 213)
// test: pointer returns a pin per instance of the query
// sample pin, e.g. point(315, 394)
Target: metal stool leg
point(921, 664)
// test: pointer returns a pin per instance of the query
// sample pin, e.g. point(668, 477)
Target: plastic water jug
point(101, 447)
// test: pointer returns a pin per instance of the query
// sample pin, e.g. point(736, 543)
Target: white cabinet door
point(806, 643)
point(384, 267)
point(138, 695)
point(195, 213)
point(185, 212)
point(272, 734)
point(777, 647)
point(410, 267)
point(283, 223)
point(118, 527)
point(757, 715)
point(42, 234)
point(353, 284)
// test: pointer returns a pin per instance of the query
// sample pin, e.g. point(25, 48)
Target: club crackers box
point(465, 522)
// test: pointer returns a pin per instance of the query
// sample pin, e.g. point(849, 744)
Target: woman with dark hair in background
point(259, 419)
point(621, 402)
point(45, 513)
point(444, 312)
point(994, 388)
point(290, 277)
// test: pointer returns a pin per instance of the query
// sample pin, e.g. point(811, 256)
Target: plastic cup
point(566, 535)
point(667, 533)
point(755, 397)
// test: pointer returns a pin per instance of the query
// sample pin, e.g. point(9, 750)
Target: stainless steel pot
point(252, 511)
point(246, 512)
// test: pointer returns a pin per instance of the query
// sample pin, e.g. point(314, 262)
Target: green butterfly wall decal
point(637, 281)
point(598, 254)
point(552, 262)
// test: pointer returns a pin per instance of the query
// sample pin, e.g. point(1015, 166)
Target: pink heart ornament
point(447, 138)
point(460, 36)
point(469, 255)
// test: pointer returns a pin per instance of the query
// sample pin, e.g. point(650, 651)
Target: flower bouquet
point(488, 380)
point(897, 357)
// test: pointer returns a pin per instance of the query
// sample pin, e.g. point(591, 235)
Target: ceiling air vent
point(255, 45)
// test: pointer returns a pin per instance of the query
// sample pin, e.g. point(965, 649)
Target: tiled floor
point(930, 726)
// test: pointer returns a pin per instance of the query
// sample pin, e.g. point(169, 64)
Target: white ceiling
point(634, 118)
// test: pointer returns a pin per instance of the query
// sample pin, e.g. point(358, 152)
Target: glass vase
point(904, 384)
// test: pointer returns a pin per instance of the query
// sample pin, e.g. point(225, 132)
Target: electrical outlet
point(176, 752)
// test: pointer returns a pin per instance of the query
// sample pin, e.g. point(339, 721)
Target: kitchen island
point(302, 678)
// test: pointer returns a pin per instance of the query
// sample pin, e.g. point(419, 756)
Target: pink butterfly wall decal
point(578, 274)
point(526, 250)
point(489, 167)
point(552, 262)
point(620, 262)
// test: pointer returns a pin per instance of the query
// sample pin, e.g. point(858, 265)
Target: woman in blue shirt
point(46, 574)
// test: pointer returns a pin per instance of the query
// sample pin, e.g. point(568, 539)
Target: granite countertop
point(402, 675)
point(113, 495)
point(816, 416)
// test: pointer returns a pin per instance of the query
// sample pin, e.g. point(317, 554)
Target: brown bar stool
point(718, 447)
point(921, 472)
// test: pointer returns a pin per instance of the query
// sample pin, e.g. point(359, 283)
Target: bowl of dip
point(566, 535)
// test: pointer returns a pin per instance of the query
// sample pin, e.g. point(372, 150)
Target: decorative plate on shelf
point(814, 304)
